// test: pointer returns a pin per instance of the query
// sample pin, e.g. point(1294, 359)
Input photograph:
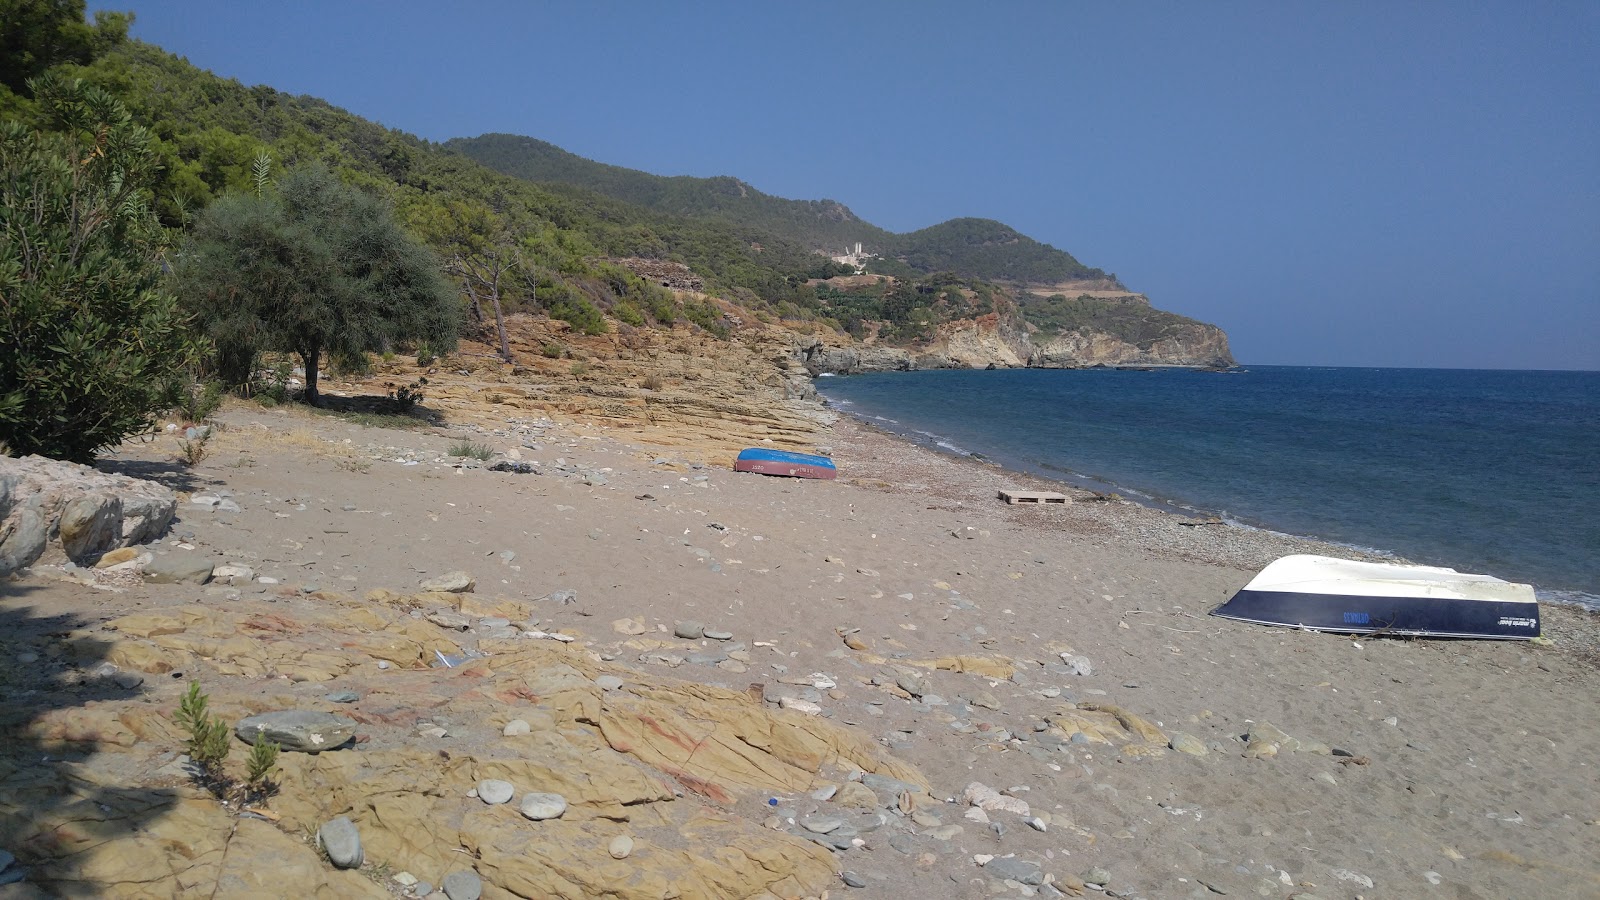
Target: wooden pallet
point(1015, 497)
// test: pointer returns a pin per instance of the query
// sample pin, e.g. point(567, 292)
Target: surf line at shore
point(896, 430)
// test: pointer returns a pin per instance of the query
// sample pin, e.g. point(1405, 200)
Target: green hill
point(972, 248)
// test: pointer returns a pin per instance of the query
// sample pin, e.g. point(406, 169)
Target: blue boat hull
point(783, 462)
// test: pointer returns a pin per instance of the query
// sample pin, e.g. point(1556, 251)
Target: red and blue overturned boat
point(784, 462)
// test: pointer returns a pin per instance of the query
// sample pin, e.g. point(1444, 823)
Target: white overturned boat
point(1326, 594)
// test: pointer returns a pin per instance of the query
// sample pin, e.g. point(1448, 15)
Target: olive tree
point(89, 341)
point(316, 267)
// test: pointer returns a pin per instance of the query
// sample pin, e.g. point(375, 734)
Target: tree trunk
point(500, 323)
point(309, 358)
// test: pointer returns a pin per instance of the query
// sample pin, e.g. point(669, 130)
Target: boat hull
point(785, 463)
point(1410, 616)
point(1323, 593)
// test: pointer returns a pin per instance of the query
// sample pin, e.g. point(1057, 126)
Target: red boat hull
point(790, 469)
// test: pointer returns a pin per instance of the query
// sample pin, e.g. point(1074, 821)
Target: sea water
point(1495, 472)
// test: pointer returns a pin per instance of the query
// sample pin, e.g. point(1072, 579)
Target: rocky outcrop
point(990, 342)
point(661, 762)
point(46, 504)
point(1188, 345)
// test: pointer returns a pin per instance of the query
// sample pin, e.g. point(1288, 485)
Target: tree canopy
point(316, 267)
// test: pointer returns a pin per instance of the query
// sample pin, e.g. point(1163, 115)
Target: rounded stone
point(716, 634)
point(821, 824)
point(851, 879)
point(516, 727)
point(495, 792)
point(689, 631)
point(342, 842)
point(1098, 876)
point(620, 847)
point(463, 886)
point(539, 806)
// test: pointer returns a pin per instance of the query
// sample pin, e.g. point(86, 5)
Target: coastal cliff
point(995, 341)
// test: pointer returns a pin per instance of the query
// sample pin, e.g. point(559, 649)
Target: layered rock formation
point(990, 342)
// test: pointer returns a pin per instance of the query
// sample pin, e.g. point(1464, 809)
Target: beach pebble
point(718, 635)
point(495, 792)
point(463, 886)
point(516, 727)
point(539, 806)
point(343, 697)
point(342, 842)
point(620, 847)
point(851, 879)
point(821, 824)
point(1187, 743)
point(1012, 869)
point(689, 631)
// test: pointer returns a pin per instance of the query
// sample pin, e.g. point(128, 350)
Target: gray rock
point(342, 842)
point(539, 806)
point(1009, 867)
point(821, 824)
point(26, 542)
point(1098, 876)
point(1077, 665)
point(90, 525)
point(1187, 743)
point(297, 729)
point(915, 685)
point(851, 879)
point(178, 568)
point(718, 635)
point(422, 889)
point(893, 786)
point(343, 697)
point(689, 631)
point(516, 727)
point(495, 792)
point(904, 843)
point(463, 886)
point(456, 582)
point(106, 511)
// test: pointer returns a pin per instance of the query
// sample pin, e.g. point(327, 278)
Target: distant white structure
point(855, 257)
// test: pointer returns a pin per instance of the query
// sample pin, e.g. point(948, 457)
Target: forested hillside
point(972, 248)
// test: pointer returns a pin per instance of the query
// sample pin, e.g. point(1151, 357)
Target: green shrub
point(467, 449)
point(196, 401)
point(208, 736)
point(89, 342)
point(628, 314)
point(551, 351)
point(409, 395)
point(425, 355)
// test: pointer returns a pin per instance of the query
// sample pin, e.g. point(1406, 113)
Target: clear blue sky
point(1367, 183)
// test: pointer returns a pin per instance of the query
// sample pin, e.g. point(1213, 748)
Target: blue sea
point(1484, 471)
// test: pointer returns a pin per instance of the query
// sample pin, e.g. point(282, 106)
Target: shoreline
point(1585, 601)
point(1571, 626)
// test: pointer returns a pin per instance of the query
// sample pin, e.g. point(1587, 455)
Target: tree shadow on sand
point(170, 474)
point(59, 794)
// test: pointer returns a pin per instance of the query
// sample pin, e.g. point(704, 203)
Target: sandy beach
point(918, 691)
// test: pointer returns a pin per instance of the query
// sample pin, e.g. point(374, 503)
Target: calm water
point(1483, 471)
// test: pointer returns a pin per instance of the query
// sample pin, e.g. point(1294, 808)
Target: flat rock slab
point(306, 731)
point(457, 582)
point(176, 568)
